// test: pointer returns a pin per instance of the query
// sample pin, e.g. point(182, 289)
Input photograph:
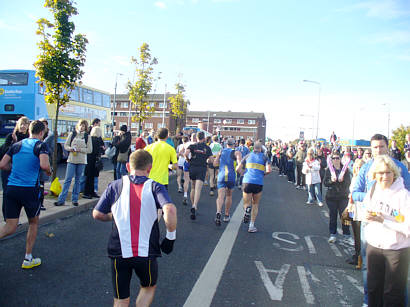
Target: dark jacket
point(10, 141)
point(124, 142)
point(95, 155)
point(337, 190)
point(323, 165)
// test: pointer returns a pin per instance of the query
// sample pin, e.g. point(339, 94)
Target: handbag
point(110, 152)
point(123, 156)
point(99, 166)
point(55, 187)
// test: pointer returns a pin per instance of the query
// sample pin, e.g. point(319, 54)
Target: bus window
point(10, 79)
point(87, 95)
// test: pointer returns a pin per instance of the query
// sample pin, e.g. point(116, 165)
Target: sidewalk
point(52, 212)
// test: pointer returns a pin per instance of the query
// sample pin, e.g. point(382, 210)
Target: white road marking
point(205, 287)
point(275, 290)
point(310, 299)
point(338, 285)
point(355, 283)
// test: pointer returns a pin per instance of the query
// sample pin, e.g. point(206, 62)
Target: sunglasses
point(335, 158)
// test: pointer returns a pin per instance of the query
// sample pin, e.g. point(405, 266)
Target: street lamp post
point(115, 101)
point(164, 106)
point(318, 105)
point(313, 122)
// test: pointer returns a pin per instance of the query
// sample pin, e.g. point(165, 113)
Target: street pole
point(115, 102)
point(318, 105)
point(164, 106)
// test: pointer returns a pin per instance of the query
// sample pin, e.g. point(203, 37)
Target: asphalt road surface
point(287, 263)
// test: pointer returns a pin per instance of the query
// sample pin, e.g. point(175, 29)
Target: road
point(287, 263)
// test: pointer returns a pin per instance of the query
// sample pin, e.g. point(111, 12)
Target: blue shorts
point(19, 197)
point(186, 166)
point(180, 167)
point(226, 184)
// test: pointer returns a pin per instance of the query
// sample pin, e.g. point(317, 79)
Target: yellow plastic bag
point(55, 187)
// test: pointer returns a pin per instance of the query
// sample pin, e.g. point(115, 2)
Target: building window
point(195, 120)
point(134, 125)
point(162, 105)
point(152, 104)
point(228, 121)
point(240, 121)
point(148, 125)
point(251, 122)
point(217, 121)
point(124, 105)
point(122, 124)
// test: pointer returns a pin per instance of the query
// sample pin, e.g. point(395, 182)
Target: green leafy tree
point(179, 105)
point(138, 92)
point(59, 65)
point(399, 135)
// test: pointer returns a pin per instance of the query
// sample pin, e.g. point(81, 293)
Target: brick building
point(232, 124)
point(124, 110)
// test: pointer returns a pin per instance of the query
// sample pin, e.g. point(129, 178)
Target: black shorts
point(197, 173)
point(251, 188)
point(121, 271)
point(19, 197)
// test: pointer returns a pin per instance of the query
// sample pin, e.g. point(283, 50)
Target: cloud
point(384, 9)
point(392, 38)
point(160, 4)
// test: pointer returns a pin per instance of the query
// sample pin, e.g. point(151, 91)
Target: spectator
point(78, 144)
point(141, 141)
point(19, 133)
point(311, 168)
point(91, 170)
point(123, 148)
point(388, 234)
point(406, 160)
point(323, 164)
point(407, 143)
point(49, 140)
point(394, 151)
point(299, 159)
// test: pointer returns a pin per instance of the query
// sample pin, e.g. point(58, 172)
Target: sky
point(247, 55)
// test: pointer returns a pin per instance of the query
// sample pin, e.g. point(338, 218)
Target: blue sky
point(244, 55)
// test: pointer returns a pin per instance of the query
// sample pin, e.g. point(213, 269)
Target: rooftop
point(227, 114)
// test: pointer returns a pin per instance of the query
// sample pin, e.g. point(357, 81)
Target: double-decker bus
point(21, 95)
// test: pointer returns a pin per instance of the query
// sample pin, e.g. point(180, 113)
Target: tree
point(399, 135)
point(179, 105)
point(138, 92)
point(62, 56)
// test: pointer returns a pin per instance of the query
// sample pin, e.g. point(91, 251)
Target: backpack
point(75, 134)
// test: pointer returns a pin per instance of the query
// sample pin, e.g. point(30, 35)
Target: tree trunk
point(54, 175)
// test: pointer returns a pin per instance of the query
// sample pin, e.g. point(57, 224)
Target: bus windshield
point(10, 79)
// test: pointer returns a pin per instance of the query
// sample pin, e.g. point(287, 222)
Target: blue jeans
point(121, 170)
point(82, 183)
point(73, 170)
point(312, 190)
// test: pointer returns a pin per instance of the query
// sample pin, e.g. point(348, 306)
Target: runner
point(226, 179)
point(23, 186)
point(132, 203)
point(213, 172)
point(200, 154)
point(256, 166)
point(162, 155)
point(181, 161)
point(244, 151)
point(186, 169)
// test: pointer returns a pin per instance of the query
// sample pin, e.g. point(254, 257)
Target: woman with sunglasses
point(387, 232)
point(338, 184)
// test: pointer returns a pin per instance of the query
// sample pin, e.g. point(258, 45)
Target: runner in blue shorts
point(226, 179)
point(28, 156)
point(256, 166)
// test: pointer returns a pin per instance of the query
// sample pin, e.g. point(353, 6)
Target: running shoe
point(320, 204)
point(185, 201)
point(247, 215)
point(193, 215)
point(309, 203)
point(239, 187)
point(75, 203)
point(332, 239)
point(252, 229)
point(218, 219)
point(42, 207)
point(205, 182)
point(180, 190)
point(58, 204)
point(211, 193)
point(348, 239)
point(28, 264)
point(227, 218)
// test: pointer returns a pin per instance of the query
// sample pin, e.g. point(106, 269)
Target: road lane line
point(205, 287)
